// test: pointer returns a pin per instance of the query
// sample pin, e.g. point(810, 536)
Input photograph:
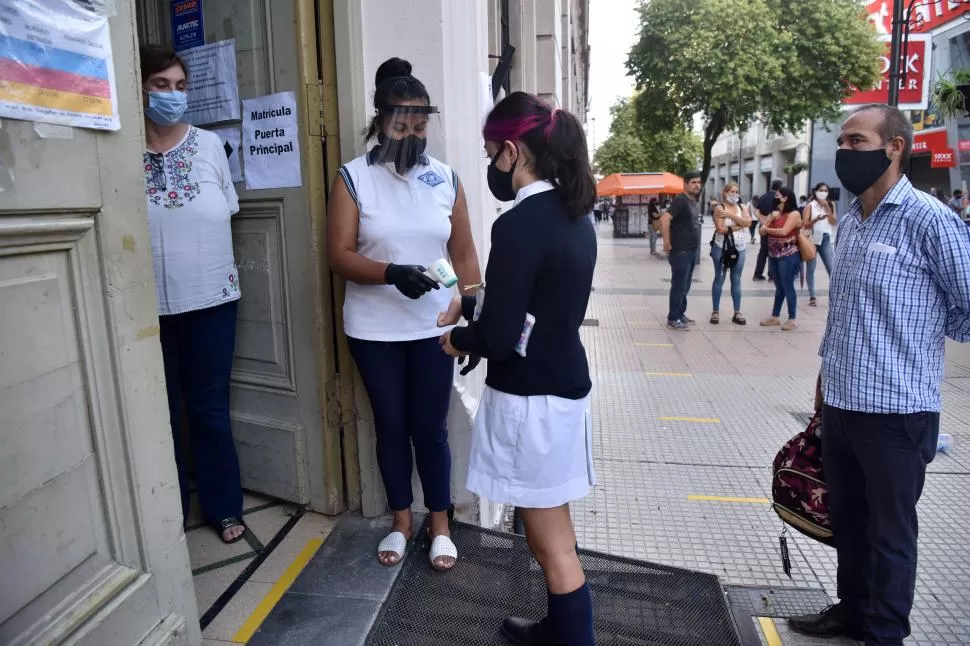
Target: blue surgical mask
point(166, 108)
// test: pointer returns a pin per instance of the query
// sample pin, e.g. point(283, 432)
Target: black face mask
point(860, 169)
point(500, 182)
point(405, 153)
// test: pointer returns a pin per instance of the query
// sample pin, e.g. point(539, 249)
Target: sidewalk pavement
point(686, 425)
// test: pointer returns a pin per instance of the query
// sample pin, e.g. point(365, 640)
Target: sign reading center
point(270, 142)
point(914, 92)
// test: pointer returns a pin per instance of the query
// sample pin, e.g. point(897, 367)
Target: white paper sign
point(233, 137)
point(213, 89)
point(271, 144)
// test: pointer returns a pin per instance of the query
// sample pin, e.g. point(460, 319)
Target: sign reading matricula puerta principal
point(270, 142)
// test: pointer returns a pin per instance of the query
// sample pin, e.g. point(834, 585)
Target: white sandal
point(443, 546)
point(395, 543)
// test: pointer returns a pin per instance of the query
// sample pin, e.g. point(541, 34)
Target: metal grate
point(635, 603)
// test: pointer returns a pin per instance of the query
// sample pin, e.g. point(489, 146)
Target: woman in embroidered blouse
point(782, 228)
point(191, 198)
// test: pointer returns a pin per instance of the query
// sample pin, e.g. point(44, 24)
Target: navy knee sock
point(571, 617)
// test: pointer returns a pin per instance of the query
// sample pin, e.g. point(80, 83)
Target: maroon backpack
point(798, 488)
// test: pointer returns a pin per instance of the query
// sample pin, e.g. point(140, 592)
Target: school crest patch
point(431, 178)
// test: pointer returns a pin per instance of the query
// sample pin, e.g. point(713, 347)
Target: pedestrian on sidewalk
point(900, 286)
point(392, 210)
point(781, 229)
point(767, 204)
point(531, 441)
point(819, 218)
point(653, 220)
point(728, 247)
point(681, 232)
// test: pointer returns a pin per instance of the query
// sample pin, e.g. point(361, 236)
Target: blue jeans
point(717, 254)
point(681, 274)
point(409, 386)
point(197, 349)
point(824, 251)
point(785, 270)
point(875, 467)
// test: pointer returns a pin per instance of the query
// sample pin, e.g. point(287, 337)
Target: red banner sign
point(943, 159)
point(930, 141)
point(915, 90)
point(927, 15)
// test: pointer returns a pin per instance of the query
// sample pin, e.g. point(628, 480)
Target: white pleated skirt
point(533, 452)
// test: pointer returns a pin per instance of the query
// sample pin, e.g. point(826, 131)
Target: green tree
point(781, 62)
point(629, 149)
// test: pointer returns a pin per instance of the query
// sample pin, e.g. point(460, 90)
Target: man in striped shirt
point(900, 285)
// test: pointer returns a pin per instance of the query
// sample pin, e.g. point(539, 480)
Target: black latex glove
point(473, 362)
point(410, 280)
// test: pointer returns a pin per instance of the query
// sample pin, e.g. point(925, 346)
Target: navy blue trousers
point(409, 386)
point(875, 466)
point(197, 349)
point(681, 275)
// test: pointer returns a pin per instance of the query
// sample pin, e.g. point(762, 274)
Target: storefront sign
point(915, 90)
point(943, 159)
point(928, 15)
point(930, 141)
point(271, 142)
point(187, 26)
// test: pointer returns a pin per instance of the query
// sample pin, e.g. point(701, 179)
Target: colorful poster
point(187, 24)
point(271, 141)
point(213, 88)
point(55, 64)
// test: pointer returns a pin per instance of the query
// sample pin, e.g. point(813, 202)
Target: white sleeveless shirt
point(405, 220)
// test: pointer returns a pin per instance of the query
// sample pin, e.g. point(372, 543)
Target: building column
point(522, 34)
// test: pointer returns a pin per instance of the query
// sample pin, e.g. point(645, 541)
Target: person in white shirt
point(392, 211)
point(819, 218)
point(191, 198)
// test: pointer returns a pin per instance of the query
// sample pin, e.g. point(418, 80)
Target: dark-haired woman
point(392, 212)
point(782, 229)
point(191, 198)
point(532, 438)
point(819, 219)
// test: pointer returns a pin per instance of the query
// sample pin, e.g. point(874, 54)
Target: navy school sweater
point(540, 263)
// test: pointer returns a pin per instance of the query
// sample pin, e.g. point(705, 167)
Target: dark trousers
point(681, 274)
point(197, 349)
point(759, 268)
point(875, 466)
point(409, 385)
point(785, 270)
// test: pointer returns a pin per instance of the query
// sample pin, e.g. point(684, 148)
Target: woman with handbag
point(728, 249)
point(819, 220)
point(785, 257)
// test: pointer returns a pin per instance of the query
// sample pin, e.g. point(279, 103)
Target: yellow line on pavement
point(255, 620)
point(654, 345)
point(770, 631)
point(669, 374)
point(752, 501)
point(704, 420)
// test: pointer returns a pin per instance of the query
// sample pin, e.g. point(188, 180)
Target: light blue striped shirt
point(900, 284)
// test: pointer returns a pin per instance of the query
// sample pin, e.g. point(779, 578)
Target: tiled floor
point(703, 413)
point(278, 533)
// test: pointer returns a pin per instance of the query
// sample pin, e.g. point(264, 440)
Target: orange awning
point(639, 184)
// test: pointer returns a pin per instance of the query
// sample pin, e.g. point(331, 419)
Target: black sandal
point(715, 318)
point(739, 319)
point(225, 524)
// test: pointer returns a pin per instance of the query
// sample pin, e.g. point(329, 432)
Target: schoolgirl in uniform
point(531, 444)
point(392, 212)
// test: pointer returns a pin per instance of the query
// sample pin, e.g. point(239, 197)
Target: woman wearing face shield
point(392, 212)
point(191, 198)
point(532, 437)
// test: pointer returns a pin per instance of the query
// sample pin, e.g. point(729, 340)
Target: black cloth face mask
point(405, 153)
point(858, 170)
point(500, 182)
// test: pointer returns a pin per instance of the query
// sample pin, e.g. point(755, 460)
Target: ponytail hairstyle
point(557, 142)
point(394, 84)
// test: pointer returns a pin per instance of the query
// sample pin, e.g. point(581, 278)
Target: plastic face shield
point(404, 134)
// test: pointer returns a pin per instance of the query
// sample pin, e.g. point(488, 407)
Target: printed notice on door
point(213, 91)
point(55, 64)
point(270, 142)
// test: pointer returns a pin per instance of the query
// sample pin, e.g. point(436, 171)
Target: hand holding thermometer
point(440, 271)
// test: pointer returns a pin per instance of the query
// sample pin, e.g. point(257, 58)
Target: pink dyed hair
point(512, 129)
